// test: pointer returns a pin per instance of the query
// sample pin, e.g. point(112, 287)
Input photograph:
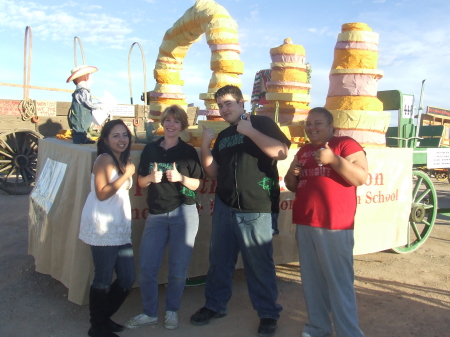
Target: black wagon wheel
point(423, 212)
point(18, 158)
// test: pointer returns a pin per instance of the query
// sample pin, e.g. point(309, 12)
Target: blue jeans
point(250, 234)
point(178, 229)
point(108, 259)
point(275, 230)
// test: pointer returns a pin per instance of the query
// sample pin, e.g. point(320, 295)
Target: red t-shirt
point(323, 198)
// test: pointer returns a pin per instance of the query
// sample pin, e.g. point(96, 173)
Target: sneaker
point(203, 315)
point(140, 320)
point(305, 334)
point(171, 320)
point(267, 327)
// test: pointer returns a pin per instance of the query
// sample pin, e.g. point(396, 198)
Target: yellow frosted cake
point(288, 84)
point(352, 94)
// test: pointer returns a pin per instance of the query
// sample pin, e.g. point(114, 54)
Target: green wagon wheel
point(18, 158)
point(423, 213)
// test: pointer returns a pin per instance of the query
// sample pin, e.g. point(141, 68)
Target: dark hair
point(176, 112)
point(229, 90)
point(102, 147)
point(325, 112)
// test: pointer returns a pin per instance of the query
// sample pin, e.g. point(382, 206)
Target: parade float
point(403, 199)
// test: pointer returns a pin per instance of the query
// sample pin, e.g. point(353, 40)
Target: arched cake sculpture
point(223, 40)
point(352, 95)
point(207, 17)
point(288, 84)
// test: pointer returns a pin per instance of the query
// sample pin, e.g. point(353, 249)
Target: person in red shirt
point(324, 175)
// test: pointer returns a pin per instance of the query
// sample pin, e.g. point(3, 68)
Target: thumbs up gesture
point(245, 125)
point(173, 175)
point(207, 136)
point(324, 155)
point(156, 176)
point(295, 167)
point(129, 168)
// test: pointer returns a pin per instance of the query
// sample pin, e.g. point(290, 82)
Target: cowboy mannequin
point(80, 112)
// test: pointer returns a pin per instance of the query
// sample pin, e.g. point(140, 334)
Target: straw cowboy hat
point(80, 71)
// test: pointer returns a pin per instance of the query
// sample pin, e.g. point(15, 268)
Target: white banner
point(384, 201)
point(47, 185)
point(438, 158)
point(123, 111)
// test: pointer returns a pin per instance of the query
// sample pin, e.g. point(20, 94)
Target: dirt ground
point(398, 295)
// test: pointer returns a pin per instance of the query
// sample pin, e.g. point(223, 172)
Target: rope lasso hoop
point(75, 39)
point(145, 73)
point(27, 107)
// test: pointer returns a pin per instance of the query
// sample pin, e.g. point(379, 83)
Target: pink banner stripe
point(363, 137)
point(209, 113)
point(353, 85)
point(289, 58)
point(356, 45)
point(229, 46)
point(164, 95)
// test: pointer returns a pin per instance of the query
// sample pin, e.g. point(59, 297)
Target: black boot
point(99, 310)
point(116, 297)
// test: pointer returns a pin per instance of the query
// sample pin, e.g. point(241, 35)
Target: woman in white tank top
point(106, 227)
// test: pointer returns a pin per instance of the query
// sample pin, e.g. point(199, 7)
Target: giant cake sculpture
point(288, 84)
point(352, 95)
point(225, 64)
point(207, 17)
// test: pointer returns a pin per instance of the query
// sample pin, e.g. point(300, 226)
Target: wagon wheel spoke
point(34, 145)
point(5, 168)
point(6, 146)
point(10, 172)
point(16, 182)
point(31, 172)
point(426, 223)
point(416, 188)
point(416, 231)
point(423, 195)
point(15, 142)
point(6, 154)
point(24, 144)
point(25, 177)
point(5, 161)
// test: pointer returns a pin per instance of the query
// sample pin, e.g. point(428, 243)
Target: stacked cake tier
point(288, 87)
point(352, 95)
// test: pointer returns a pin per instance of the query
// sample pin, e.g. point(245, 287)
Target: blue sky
point(414, 43)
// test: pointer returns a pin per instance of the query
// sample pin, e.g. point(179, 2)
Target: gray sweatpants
point(326, 267)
